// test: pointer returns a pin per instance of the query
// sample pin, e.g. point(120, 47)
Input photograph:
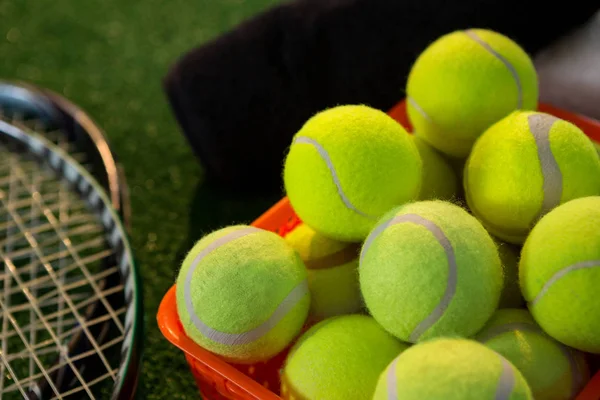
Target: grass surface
point(109, 56)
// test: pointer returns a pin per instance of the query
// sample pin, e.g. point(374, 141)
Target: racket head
point(63, 123)
point(91, 192)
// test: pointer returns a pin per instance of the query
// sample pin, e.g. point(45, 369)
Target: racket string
point(55, 136)
point(85, 301)
point(49, 329)
point(81, 219)
point(35, 377)
point(91, 383)
point(59, 349)
point(58, 256)
point(10, 181)
point(51, 218)
point(44, 240)
point(17, 170)
point(45, 282)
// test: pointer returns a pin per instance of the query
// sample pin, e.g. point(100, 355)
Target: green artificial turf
point(109, 56)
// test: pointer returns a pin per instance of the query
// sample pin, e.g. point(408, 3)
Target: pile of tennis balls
point(402, 283)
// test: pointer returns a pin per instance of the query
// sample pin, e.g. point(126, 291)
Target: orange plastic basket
point(218, 380)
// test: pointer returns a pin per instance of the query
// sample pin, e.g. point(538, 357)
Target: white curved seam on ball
point(558, 275)
point(506, 383)
point(473, 35)
point(438, 233)
point(419, 109)
point(325, 156)
point(392, 384)
point(232, 339)
point(533, 328)
point(540, 126)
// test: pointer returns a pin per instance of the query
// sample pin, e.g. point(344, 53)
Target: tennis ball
point(332, 272)
point(430, 269)
point(511, 292)
point(559, 273)
point(464, 82)
point(597, 145)
point(525, 165)
point(451, 369)
point(339, 358)
point(242, 293)
point(346, 167)
point(439, 179)
point(552, 370)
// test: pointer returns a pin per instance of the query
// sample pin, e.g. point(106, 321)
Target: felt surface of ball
point(525, 165)
point(339, 358)
point(346, 167)
point(332, 272)
point(559, 273)
point(552, 370)
point(464, 82)
point(451, 369)
point(439, 179)
point(511, 296)
point(430, 269)
point(242, 293)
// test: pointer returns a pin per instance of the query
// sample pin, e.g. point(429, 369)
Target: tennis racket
point(70, 297)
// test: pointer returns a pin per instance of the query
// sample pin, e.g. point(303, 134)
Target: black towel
point(241, 97)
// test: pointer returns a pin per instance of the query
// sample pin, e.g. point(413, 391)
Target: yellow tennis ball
point(525, 165)
point(242, 293)
point(511, 292)
point(552, 370)
point(339, 358)
point(332, 272)
point(346, 167)
point(451, 369)
point(465, 81)
point(559, 273)
point(597, 145)
point(430, 269)
point(439, 179)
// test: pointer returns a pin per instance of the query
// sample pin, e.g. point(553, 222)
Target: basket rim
point(170, 327)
